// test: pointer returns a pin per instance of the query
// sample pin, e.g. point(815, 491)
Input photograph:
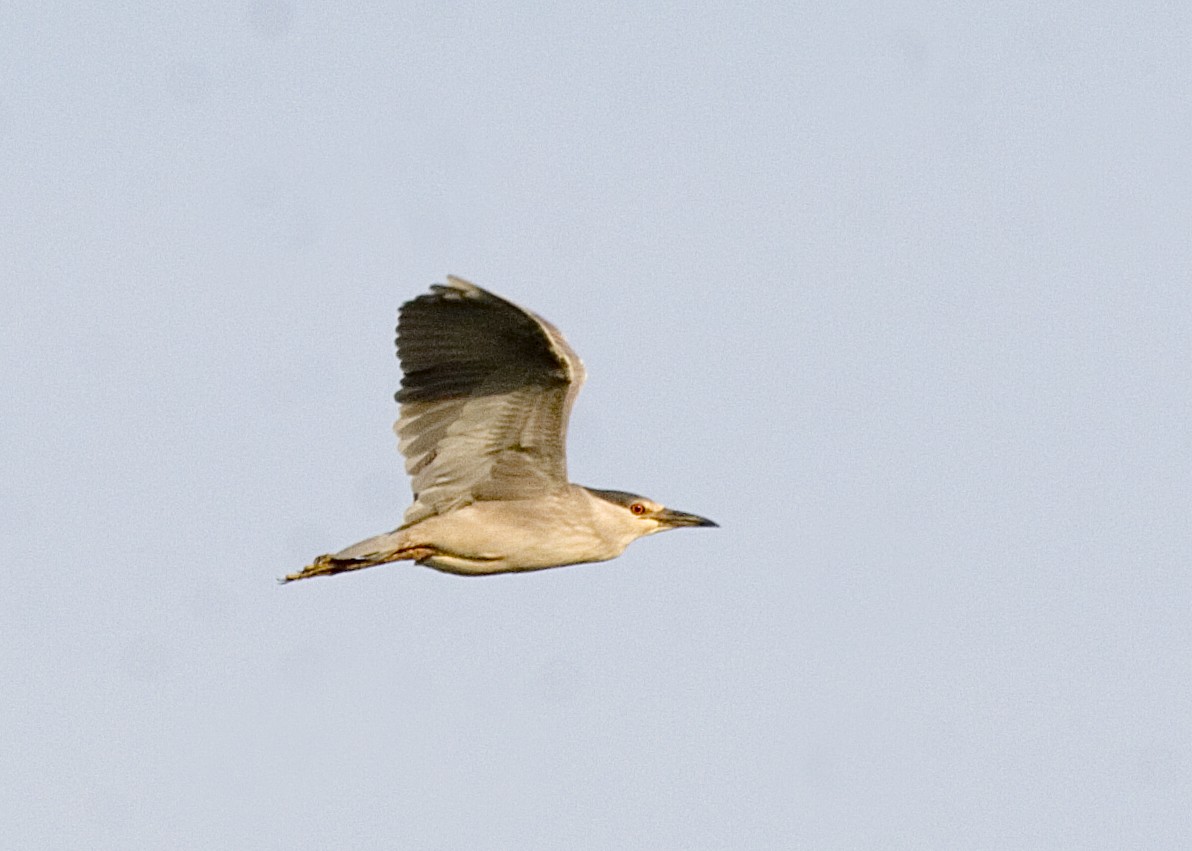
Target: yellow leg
point(329, 565)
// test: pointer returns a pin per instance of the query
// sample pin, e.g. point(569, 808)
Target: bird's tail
point(380, 549)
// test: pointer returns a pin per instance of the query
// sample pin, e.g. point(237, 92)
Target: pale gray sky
point(900, 294)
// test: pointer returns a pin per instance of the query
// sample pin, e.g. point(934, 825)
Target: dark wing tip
point(460, 340)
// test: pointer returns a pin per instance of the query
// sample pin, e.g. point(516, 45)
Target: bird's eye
point(638, 508)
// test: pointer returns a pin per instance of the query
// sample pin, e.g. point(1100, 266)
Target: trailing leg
point(329, 565)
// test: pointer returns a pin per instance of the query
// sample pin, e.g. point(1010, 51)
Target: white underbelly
point(501, 537)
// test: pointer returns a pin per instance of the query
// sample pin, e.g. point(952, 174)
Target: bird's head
point(639, 516)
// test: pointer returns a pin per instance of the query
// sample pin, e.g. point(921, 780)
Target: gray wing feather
point(486, 393)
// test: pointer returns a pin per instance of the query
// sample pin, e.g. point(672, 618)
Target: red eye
point(638, 508)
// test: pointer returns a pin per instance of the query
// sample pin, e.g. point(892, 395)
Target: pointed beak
point(674, 519)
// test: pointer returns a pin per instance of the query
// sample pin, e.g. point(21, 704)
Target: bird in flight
point(486, 391)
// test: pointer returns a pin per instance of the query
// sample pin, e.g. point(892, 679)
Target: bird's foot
point(326, 565)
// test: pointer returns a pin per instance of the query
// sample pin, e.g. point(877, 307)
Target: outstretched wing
point(486, 392)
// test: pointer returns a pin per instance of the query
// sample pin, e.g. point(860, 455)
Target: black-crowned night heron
point(486, 391)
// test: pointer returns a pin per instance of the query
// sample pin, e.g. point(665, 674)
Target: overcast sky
point(900, 294)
